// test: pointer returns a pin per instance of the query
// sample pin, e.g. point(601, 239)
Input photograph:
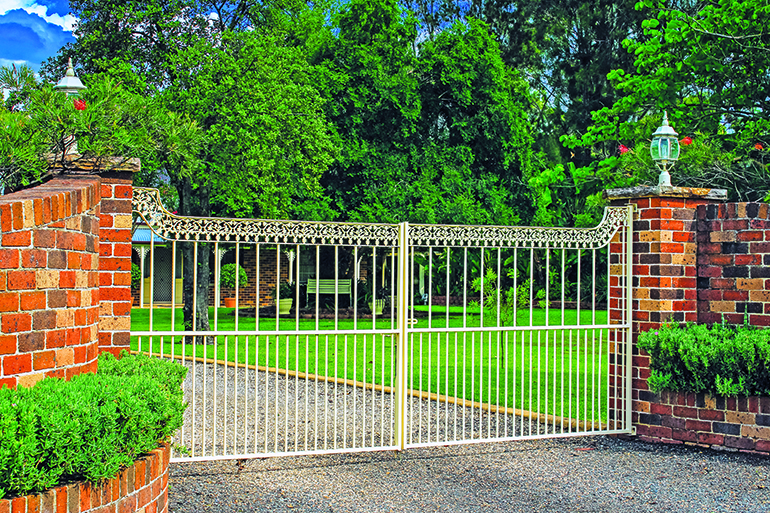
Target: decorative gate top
point(216, 229)
point(169, 226)
point(521, 236)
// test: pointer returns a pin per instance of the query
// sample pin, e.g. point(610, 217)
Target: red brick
point(698, 425)
point(9, 302)
point(9, 258)
point(43, 360)
point(45, 238)
point(7, 344)
point(711, 438)
point(67, 279)
point(124, 191)
point(17, 364)
point(115, 294)
point(16, 322)
point(115, 235)
point(33, 300)
point(660, 409)
point(73, 260)
point(711, 414)
point(55, 338)
point(115, 264)
point(18, 239)
point(31, 258)
point(683, 411)
point(685, 435)
point(19, 505)
point(21, 280)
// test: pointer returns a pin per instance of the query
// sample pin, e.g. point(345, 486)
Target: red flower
point(80, 104)
point(758, 146)
point(623, 149)
point(686, 141)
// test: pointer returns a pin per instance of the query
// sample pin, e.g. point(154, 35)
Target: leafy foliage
point(136, 276)
point(227, 276)
point(707, 64)
point(722, 360)
point(89, 427)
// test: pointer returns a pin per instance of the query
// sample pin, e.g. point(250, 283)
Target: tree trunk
point(195, 288)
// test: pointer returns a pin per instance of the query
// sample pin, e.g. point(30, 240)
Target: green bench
point(329, 287)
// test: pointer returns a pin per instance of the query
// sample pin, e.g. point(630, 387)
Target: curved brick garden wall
point(65, 261)
point(65, 277)
point(141, 487)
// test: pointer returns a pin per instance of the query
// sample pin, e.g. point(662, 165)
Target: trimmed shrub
point(722, 360)
point(90, 427)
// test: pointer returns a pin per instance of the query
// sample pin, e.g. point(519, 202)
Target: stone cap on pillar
point(82, 165)
point(662, 191)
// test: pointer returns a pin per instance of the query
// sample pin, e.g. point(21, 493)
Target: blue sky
point(33, 30)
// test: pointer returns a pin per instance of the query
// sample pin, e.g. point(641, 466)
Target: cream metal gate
point(454, 334)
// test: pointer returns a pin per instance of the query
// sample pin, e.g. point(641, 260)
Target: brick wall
point(697, 259)
point(62, 275)
point(734, 263)
point(142, 487)
point(732, 423)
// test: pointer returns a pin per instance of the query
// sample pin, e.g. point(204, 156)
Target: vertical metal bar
point(296, 382)
point(237, 283)
point(235, 349)
point(326, 392)
point(276, 387)
point(579, 272)
point(497, 345)
point(481, 293)
point(473, 375)
point(152, 283)
point(245, 391)
point(336, 288)
point(363, 394)
point(256, 386)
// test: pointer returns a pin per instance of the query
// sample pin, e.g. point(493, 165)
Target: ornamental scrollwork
point(522, 236)
point(147, 204)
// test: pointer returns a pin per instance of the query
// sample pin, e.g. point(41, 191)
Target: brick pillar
point(665, 270)
point(115, 257)
point(48, 281)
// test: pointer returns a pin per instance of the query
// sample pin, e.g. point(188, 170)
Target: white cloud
point(67, 22)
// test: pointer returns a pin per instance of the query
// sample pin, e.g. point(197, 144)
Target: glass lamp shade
point(665, 145)
point(70, 84)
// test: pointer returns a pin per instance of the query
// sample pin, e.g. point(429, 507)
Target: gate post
point(403, 335)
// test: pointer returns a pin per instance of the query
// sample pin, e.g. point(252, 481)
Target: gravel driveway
point(585, 474)
point(577, 474)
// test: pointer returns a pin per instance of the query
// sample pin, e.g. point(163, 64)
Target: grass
point(522, 369)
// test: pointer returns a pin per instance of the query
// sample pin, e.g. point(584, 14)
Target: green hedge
point(90, 427)
point(722, 360)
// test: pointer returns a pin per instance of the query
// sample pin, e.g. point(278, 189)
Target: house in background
point(163, 285)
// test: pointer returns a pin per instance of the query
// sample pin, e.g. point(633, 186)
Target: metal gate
point(397, 336)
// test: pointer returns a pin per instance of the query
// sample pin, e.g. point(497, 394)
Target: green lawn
point(521, 369)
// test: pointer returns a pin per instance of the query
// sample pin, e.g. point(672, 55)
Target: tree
point(564, 50)
point(708, 65)
point(267, 142)
point(105, 121)
point(245, 80)
point(430, 132)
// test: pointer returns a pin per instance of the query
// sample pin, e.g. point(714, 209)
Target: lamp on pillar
point(664, 150)
point(70, 84)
